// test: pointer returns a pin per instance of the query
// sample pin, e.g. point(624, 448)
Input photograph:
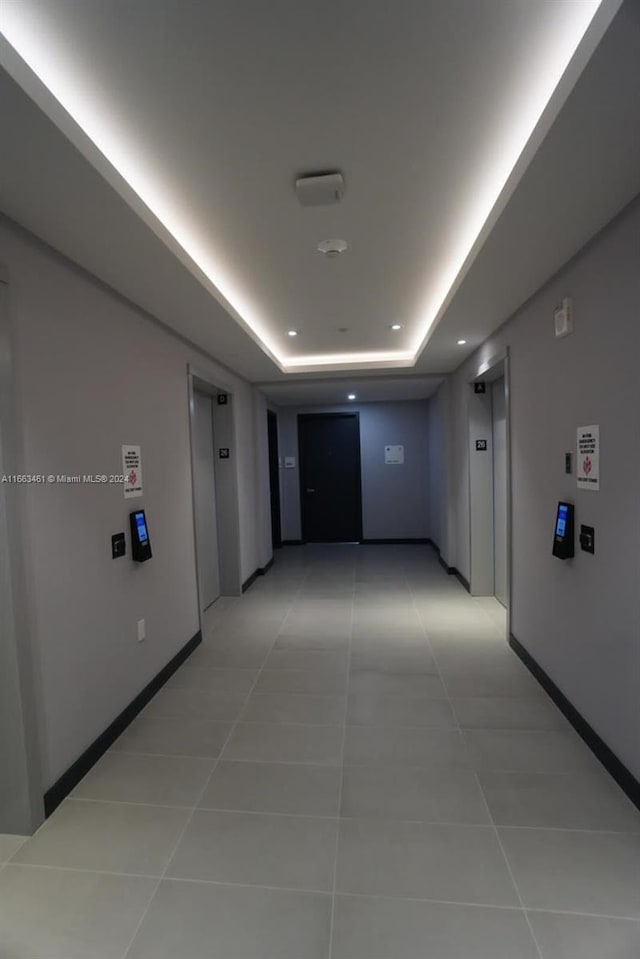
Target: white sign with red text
point(588, 455)
point(132, 471)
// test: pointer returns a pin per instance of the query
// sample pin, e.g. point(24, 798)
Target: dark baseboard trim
point(451, 570)
point(261, 571)
point(293, 542)
point(248, 583)
point(417, 541)
point(624, 778)
point(458, 575)
point(70, 779)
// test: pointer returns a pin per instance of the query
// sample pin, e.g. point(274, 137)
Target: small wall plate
point(118, 545)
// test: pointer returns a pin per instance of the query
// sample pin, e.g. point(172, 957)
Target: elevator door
point(499, 490)
point(204, 489)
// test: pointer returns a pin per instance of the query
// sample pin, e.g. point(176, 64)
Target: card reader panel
point(563, 537)
point(140, 542)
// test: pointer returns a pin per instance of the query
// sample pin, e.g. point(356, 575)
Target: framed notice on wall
point(588, 456)
point(394, 455)
point(132, 471)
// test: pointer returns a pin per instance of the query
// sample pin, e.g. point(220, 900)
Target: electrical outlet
point(142, 632)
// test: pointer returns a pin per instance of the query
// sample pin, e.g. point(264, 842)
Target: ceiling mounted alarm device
point(332, 247)
point(320, 189)
point(563, 318)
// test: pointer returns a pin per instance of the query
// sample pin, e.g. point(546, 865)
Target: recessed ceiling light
point(292, 332)
point(395, 327)
point(351, 396)
point(461, 342)
point(332, 247)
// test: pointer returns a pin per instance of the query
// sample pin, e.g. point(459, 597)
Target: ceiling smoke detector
point(332, 247)
point(321, 189)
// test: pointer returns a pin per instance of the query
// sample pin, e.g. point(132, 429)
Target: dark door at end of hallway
point(330, 493)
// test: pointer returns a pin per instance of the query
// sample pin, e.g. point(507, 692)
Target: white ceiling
point(366, 389)
point(216, 108)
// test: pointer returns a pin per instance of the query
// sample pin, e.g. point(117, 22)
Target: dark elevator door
point(330, 497)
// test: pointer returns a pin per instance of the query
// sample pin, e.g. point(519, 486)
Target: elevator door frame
point(227, 482)
point(481, 486)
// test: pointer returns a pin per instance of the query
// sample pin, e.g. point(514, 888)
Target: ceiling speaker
point(320, 189)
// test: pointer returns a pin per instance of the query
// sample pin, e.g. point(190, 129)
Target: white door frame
point(205, 505)
point(479, 416)
point(21, 795)
point(227, 483)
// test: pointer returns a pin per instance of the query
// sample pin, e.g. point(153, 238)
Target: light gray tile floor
point(353, 765)
point(9, 845)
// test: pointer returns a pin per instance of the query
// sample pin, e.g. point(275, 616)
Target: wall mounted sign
point(481, 446)
point(132, 471)
point(479, 387)
point(222, 399)
point(223, 452)
point(394, 455)
point(289, 462)
point(588, 456)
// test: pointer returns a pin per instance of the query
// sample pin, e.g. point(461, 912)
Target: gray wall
point(440, 473)
point(579, 619)
point(94, 373)
point(21, 806)
point(395, 499)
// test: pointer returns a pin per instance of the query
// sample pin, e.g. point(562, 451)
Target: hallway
point(353, 765)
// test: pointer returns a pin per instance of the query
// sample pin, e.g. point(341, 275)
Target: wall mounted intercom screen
point(142, 527)
point(563, 537)
point(561, 521)
point(140, 542)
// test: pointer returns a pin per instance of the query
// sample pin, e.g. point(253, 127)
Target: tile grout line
point(164, 871)
point(486, 804)
point(190, 817)
point(340, 790)
point(268, 812)
point(323, 892)
point(509, 869)
point(484, 798)
point(447, 693)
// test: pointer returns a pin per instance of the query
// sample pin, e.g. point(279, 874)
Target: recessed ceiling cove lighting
point(332, 247)
point(31, 47)
point(292, 332)
point(351, 396)
point(461, 342)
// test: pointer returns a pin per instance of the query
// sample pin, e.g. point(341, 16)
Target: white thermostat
point(393, 455)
